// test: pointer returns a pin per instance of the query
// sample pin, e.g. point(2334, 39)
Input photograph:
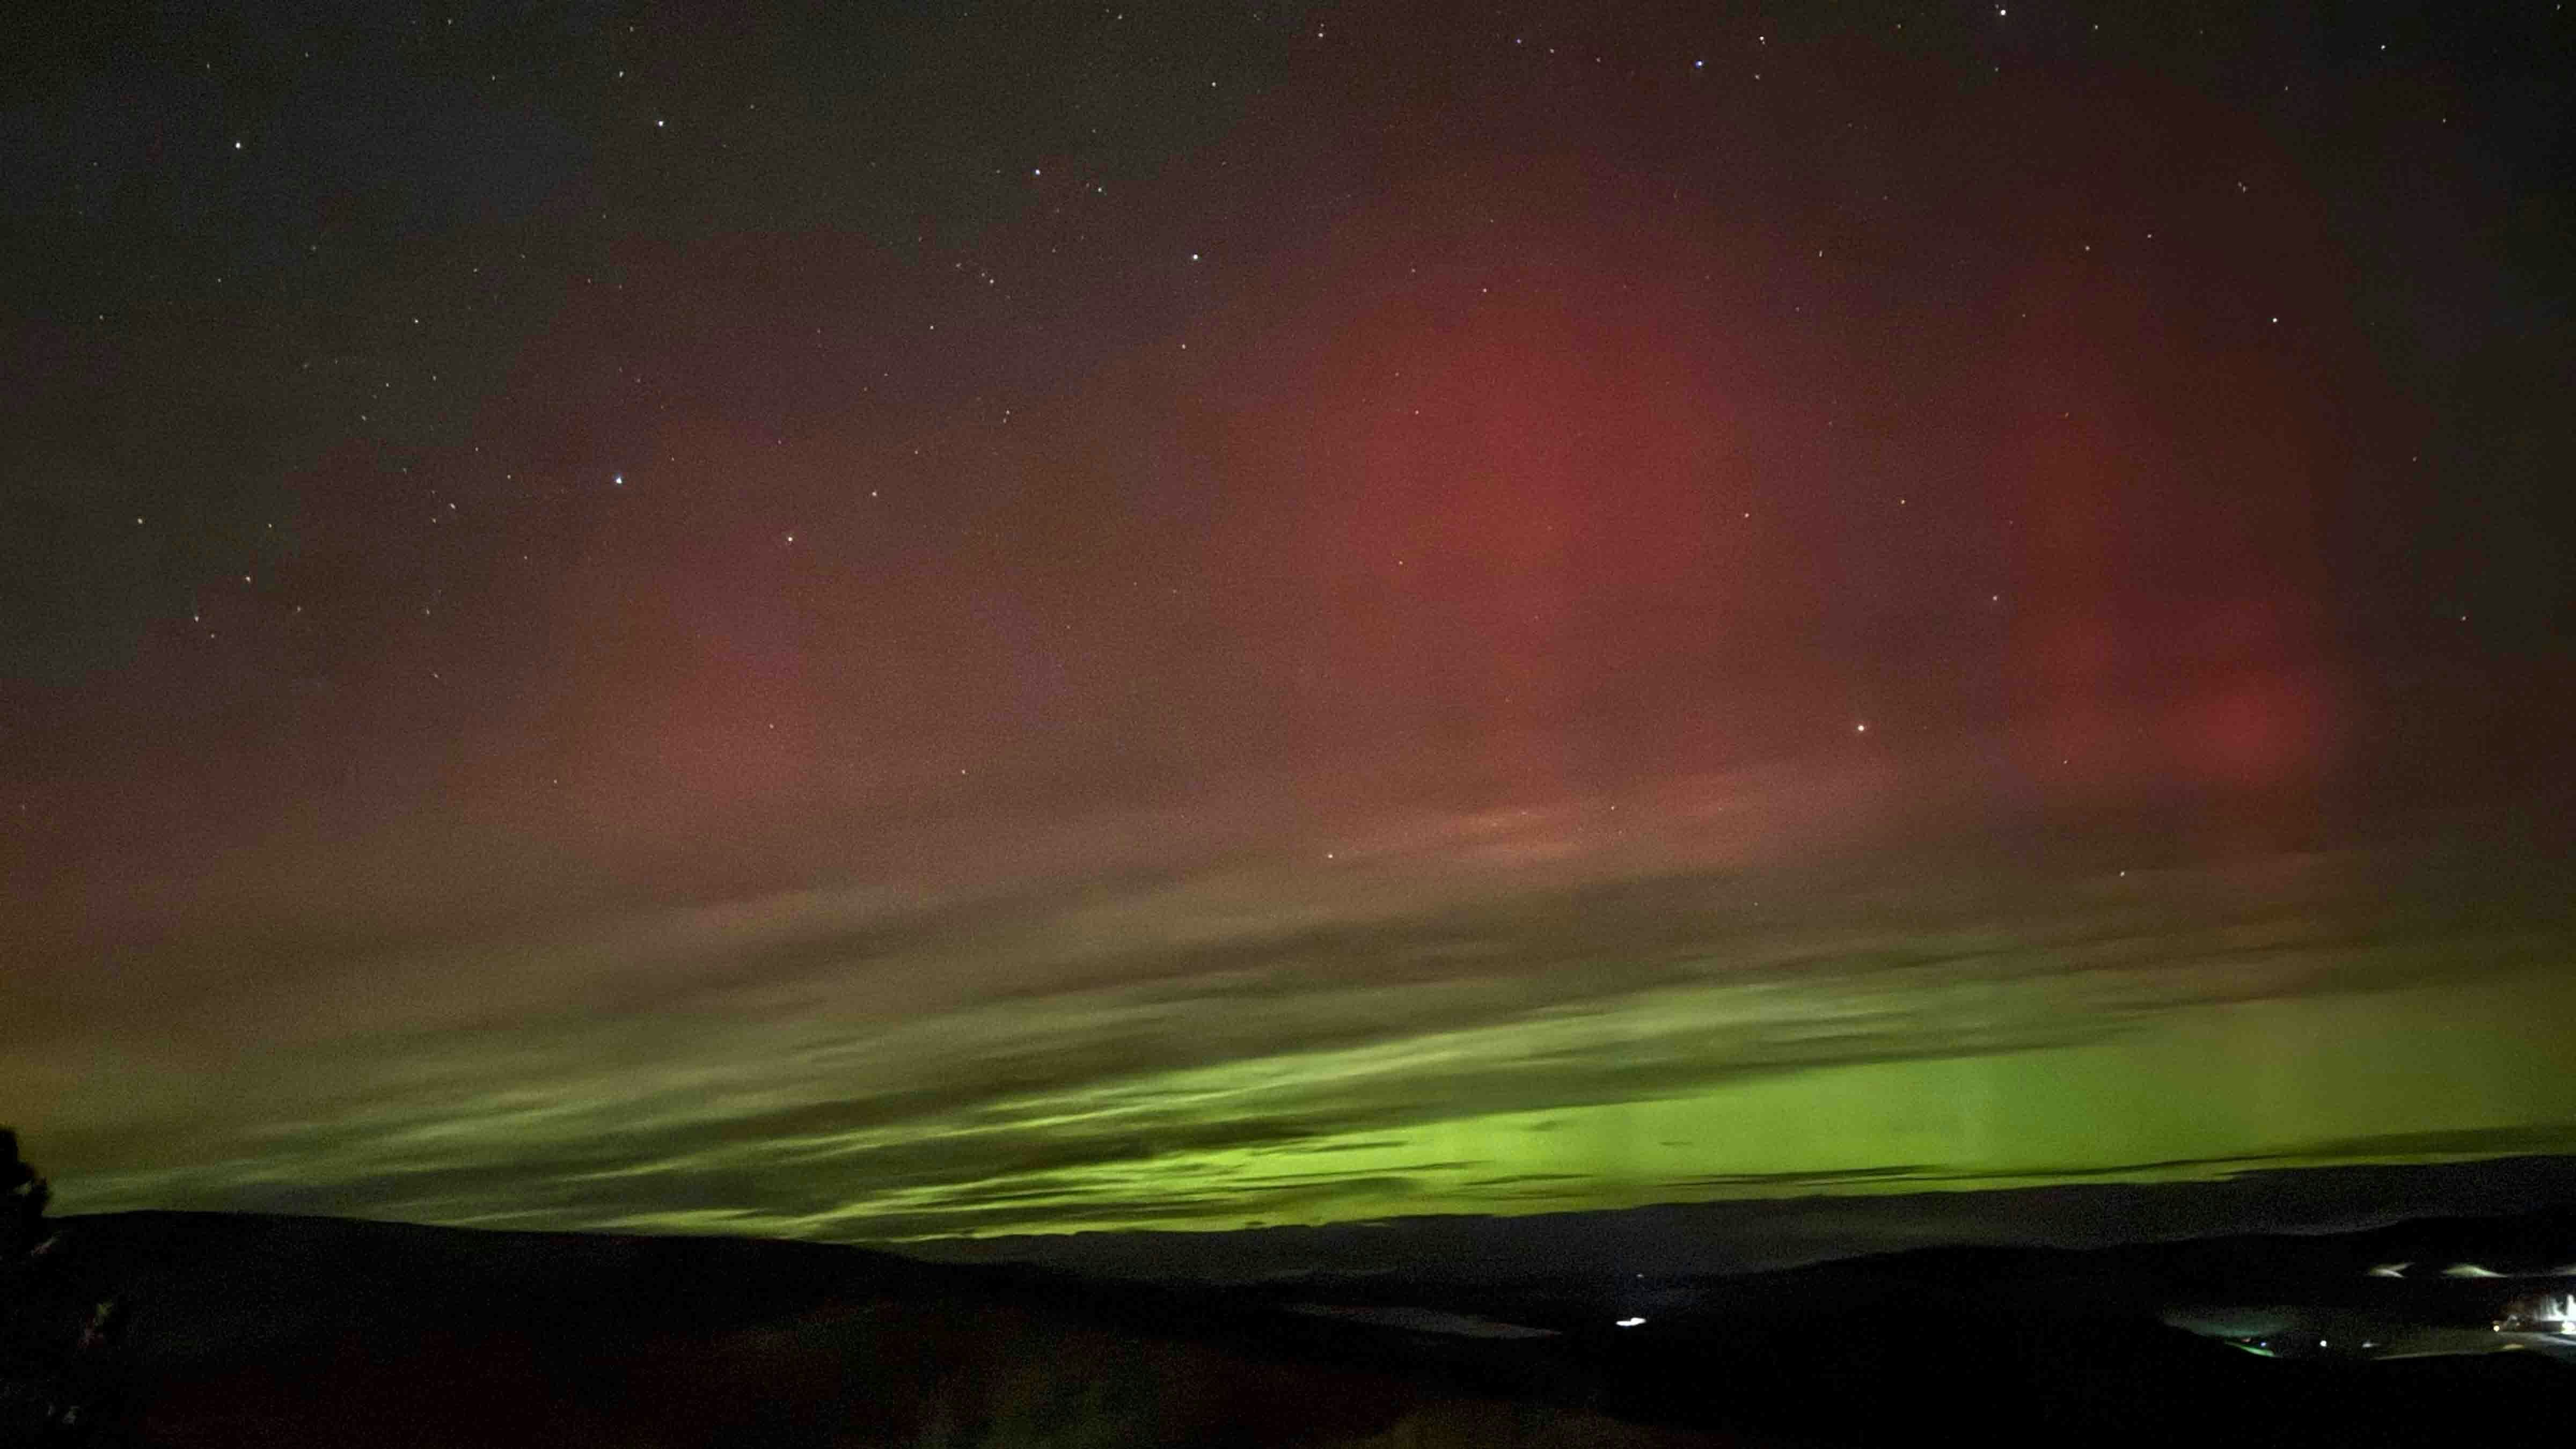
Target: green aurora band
point(794, 1068)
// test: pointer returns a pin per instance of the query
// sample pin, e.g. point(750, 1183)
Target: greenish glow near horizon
point(2194, 1093)
point(2165, 1042)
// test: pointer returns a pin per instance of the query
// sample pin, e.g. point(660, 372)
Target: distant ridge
point(1766, 1234)
point(264, 1330)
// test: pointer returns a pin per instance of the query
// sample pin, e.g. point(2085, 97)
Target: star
point(1560, 455)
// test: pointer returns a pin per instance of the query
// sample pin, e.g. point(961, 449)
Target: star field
point(474, 475)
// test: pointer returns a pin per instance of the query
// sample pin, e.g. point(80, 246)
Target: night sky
point(879, 620)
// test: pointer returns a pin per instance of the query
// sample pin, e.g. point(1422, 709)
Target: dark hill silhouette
point(308, 1331)
point(266, 1330)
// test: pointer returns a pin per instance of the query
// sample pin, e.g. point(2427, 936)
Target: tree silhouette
point(60, 1380)
point(22, 1213)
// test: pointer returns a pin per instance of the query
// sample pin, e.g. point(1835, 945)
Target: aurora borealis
point(879, 625)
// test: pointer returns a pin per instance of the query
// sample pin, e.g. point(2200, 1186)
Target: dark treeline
point(58, 1382)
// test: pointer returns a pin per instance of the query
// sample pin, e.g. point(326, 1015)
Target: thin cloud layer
point(1509, 1011)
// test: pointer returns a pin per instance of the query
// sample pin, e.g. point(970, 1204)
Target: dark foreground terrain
point(273, 1331)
